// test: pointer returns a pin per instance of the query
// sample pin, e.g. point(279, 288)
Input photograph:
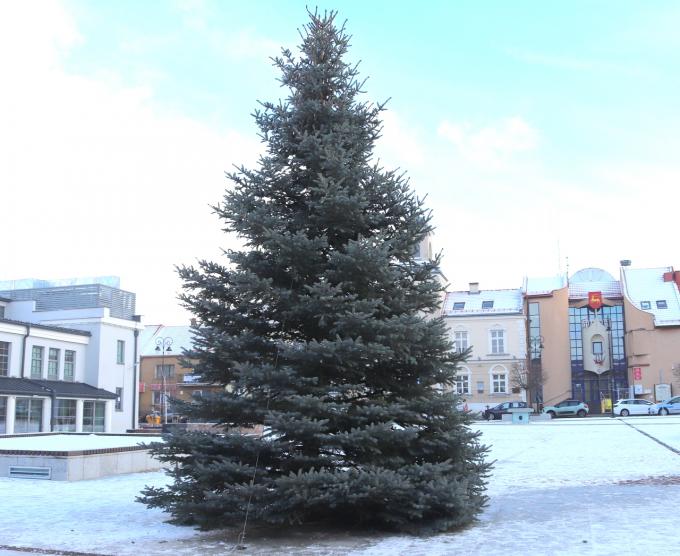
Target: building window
point(597, 348)
point(499, 383)
point(4, 358)
point(53, 364)
point(157, 398)
point(487, 304)
point(28, 415)
point(36, 361)
point(462, 384)
point(93, 416)
point(458, 305)
point(535, 338)
point(119, 399)
point(661, 304)
point(65, 416)
point(120, 352)
point(167, 371)
point(497, 341)
point(2, 311)
point(460, 340)
point(69, 364)
point(645, 304)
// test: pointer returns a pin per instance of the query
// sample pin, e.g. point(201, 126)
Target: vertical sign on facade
point(637, 373)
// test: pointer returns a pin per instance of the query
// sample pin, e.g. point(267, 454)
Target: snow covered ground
point(594, 486)
point(68, 442)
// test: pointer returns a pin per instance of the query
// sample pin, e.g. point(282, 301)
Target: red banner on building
point(595, 300)
point(637, 373)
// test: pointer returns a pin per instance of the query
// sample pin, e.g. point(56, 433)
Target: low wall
point(77, 465)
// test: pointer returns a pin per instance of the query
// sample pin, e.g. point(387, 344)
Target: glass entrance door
point(3, 415)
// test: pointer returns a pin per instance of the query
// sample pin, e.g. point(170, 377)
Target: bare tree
point(529, 379)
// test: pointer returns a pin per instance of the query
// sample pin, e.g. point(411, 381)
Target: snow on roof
point(52, 327)
point(181, 336)
point(484, 302)
point(609, 289)
point(592, 275)
point(646, 289)
point(544, 286)
point(593, 280)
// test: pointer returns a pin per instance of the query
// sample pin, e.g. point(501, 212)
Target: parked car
point(566, 408)
point(667, 407)
point(497, 411)
point(632, 407)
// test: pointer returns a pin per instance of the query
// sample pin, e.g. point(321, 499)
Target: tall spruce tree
point(322, 329)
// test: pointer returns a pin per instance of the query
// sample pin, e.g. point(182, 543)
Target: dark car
point(497, 411)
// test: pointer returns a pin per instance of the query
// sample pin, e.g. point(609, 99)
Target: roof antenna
point(567, 259)
point(559, 257)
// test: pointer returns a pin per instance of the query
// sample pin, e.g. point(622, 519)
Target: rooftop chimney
point(474, 287)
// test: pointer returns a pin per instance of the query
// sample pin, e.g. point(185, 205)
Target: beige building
point(652, 308)
point(592, 337)
point(162, 374)
point(576, 338)
point(493, 325)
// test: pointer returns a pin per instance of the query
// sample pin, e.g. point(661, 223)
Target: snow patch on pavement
point(555, 489)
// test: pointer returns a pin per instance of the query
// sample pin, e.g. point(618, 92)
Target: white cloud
point(245, 44)
point(552, 60)
point(97, 178)
point(239, 45)
point(399, 144)
point(50, 30)
point(491, 146)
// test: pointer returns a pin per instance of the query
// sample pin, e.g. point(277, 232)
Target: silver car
point(666, 408)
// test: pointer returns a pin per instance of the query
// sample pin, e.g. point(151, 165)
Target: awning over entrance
point(13, 386)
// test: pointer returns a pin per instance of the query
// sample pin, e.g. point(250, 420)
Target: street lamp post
point(164, 345)
point(535, 353)
point(610, 340)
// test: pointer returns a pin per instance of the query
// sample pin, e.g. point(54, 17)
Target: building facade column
point(79, 415)
point(108, 415)
point(11, 413)
point(46, 415)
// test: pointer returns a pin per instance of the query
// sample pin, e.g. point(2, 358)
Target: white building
point(68, 358)
point(492, 323)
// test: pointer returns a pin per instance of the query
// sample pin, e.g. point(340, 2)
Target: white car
point(632, 407)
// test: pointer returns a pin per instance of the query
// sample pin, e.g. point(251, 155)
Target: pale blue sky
point(529, 125)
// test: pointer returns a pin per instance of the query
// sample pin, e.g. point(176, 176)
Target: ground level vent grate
point(23, 472)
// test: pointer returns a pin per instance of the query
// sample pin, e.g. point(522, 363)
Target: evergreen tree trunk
point(322, 330)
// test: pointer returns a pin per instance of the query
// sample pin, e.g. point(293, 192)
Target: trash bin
point(520, 415)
